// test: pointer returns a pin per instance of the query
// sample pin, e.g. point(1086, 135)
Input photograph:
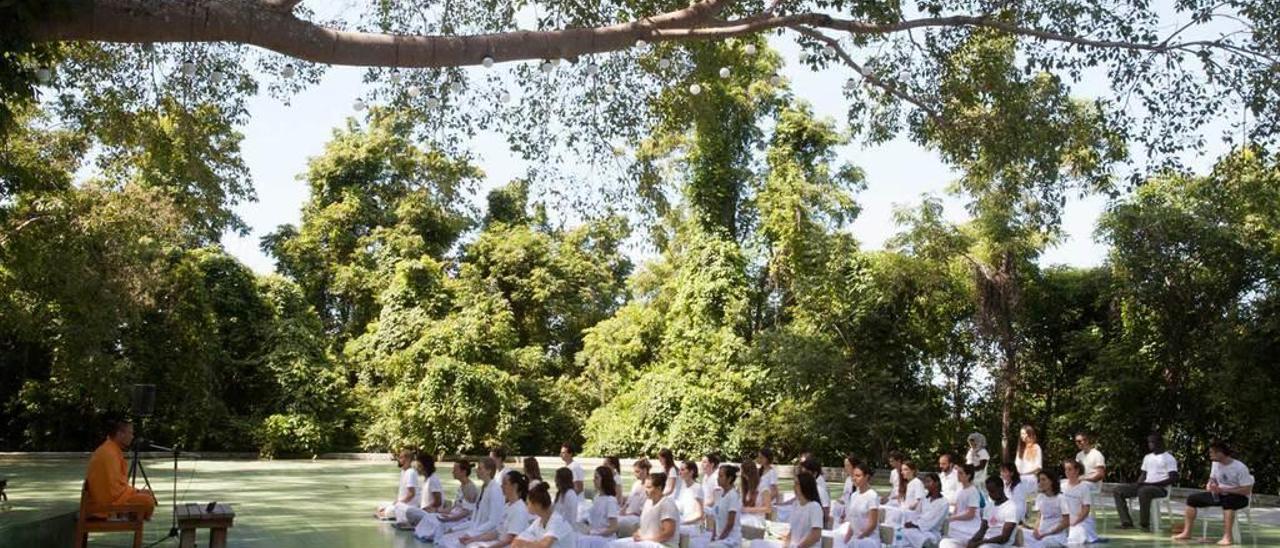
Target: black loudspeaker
point(144, 399)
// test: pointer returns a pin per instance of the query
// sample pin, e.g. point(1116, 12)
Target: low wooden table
point(192, 516)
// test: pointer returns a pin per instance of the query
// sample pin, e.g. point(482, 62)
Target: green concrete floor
point(295, 503)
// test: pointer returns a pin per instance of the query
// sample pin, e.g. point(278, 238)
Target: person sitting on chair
point(1159, 471)
point(1230, 485)
point(108, 474)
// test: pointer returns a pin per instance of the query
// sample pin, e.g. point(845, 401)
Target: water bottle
point(897, 536)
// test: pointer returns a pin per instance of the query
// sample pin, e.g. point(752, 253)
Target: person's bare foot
point(1185, 535)
point(1224, 542)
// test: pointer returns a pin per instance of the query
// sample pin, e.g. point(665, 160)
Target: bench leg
point(137, 537)
point(187, 538)
point(218, 538)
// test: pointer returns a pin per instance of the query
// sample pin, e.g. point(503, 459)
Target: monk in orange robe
point(108, 475)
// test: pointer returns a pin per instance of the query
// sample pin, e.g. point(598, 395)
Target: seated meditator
point(1078, 495)
point(633, 505)
point(860, 527)
point(1230, 486)
point(432, 498)
point(602, 518)
point(948, 475)
point(757, 503)
point(460, 513)
point(689, 499)
point(1159, 471)
point(515, 517)
point(926, 527)
point(905, 504)
point(805, 523)
point(1095, 465)
point(407, 492)
point(1017, 487)
point(108, 474)
point(1054, 521)
point(548, 529)
point(710, 479)
point(997, 530)
point(726, 531)
point(967, 516)
point(567, 502)
point(485, 520)
point(659, 521)
point(568, 451)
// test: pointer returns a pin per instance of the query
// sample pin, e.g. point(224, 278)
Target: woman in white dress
point(515, 517)
point(690, 499)
point(547, 528)
point(1078, 495)
point(567, 499)
point(1029, 459)
point(861, 525)
point(667, 462)
point(633, 505)
point(758, 504)
point(805, 525)
point(602, 519)
point(432, 494)
point(977, 457)
point(459, 514)
point(1051, 530)
point(905, 505)
point(966, 519)
point(1016, 488)
point(926, 528)
point(768, 475)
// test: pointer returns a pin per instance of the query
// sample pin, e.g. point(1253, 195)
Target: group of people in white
point(710, 503)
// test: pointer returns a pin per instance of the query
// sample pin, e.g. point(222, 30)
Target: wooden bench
point(131, 519)
point(193, 516)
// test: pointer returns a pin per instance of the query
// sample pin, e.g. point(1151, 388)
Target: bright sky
point(279, 139)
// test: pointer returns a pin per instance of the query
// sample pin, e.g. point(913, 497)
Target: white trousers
point(1051, 541)
point(841, 532)
point(628, 543)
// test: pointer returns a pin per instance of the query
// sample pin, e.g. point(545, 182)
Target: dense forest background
point(402, 315)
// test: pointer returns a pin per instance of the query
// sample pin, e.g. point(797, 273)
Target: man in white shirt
point(408, 492)
point(1159, 471)
point(659, 521)
point(950, 478)
point(567, 451)
point(1230, 485)
point(1095, 466)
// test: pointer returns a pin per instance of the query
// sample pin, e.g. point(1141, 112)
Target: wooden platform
point(192, 517)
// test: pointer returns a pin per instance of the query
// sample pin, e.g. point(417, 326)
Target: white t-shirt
point(636, 499)
point(1076, 497)
point(556, 527)
point(1159, 467)
point(489, 510)
point(1231, 475)
point(803, 520)
point(1005, 513)
point(515, 518)
point(915, 492)
point(578, 474)
point(848, 490)
point(895, 481)
point(824, 498)
point(975, 458)
point(1051, 511)
point(932, 514)
point(950, 483)
point(710, 489)
point(767, 480)
point(409, 480)
point(729, 503)
point(1092, 461)
point(432, 485)
point(689, 500)
point(967, 498)
point(654, 514)
point(567, 506)
point(858, 506)
point(602, 509)
point(1027, 466)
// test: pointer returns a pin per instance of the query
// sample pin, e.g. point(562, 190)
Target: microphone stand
point(173, 517)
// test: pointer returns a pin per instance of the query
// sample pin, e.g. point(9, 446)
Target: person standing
point(1159, 471)
point(1230, 485)
point(977, 457)
point(1030, 458)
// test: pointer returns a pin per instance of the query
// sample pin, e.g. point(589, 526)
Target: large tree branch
point(281, 5)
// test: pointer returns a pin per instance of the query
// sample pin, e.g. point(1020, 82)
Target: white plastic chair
point(1166, 501)
point(1246, 512)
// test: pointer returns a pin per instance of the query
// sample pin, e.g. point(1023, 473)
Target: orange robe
point(109, 479)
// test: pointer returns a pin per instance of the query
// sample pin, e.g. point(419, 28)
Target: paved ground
point(313, 504)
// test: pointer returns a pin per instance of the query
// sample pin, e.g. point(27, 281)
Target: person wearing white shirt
point(567, 452)
point(1095, 465)
point(1003, 521)
point(809, 464)
point(757, 502)
point(1230, 486)
point(602, 519)
point(1016, 488)
point(615, 465)
point(726, 529)
point(690, 499)
point(667, 463)
point(547, 528)
point(464, 506)
point(948, 476)
point(659, 521)
point(861, 525)
point(633, 505)
point(512, 520)
point(926, 527)
point(768, 475)
point(1030, 459)
point(977, 457)
point(710, 479)
point(966, 519)
point(837, 506)
point(432, 498)
point(1055, 520)
point(895, 475)
point(567, 499)
point(1078, 495)
point(904, 505)
point(407, 492)
point(805, 525)
point(1159, 471)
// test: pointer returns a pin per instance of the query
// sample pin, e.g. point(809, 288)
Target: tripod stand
point(136, 467)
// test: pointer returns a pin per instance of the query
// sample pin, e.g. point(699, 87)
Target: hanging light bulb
point(641, 43)
point(487, 62)
point(395, 76)
point(804, 57)
point(455, 87)
point(288, 71)
point(504, 97)
point(546, 67)
point(610, 87)
point(724, 72)
point(188, 69)
point(695, 89)
point(43, 75)
point(433, 102)
point(414, 91)
point(750, 49)
point(776, 80)
point(850, 85)
point(593, 69)
point(828, 50)
point(217, 77)
point(359, 105)
point(664, 64)
point(866, 71)
point(555, 62)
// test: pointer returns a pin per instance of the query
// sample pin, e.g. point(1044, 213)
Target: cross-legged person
point(926, 527)
point(1159, 471)
point(1078, 495)
point(659, 521)
point(806, 518)
point(464, 506)
point(1229, 487)
point(726, 531)
point(408, 491)
point(602, 519)
point(967, 516)
point(860, 528)
point(548, 529)
point(108, 477)
point(996, 531)
point(1051, 528)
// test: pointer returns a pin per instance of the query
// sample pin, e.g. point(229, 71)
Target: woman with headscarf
point(977, 457)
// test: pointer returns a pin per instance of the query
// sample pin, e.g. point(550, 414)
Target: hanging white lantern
point(188, 69)
point(504, 97)
point(695, 89)
point(776, 80)
point(641, 43)
point(455, 87)
point(724, 72)
point(217, 77)
point(593, 69)
point(555, 62)
point(750, 49)
point(433, 102)
point(546, 67)
point(288, 71)
point(414, 91)
point(804, 57)
point(664, 64)
point(487, 62)
point(43, 75)
point(359, 105)
point(610, 88)
point(395, 76)
point(828, 50)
